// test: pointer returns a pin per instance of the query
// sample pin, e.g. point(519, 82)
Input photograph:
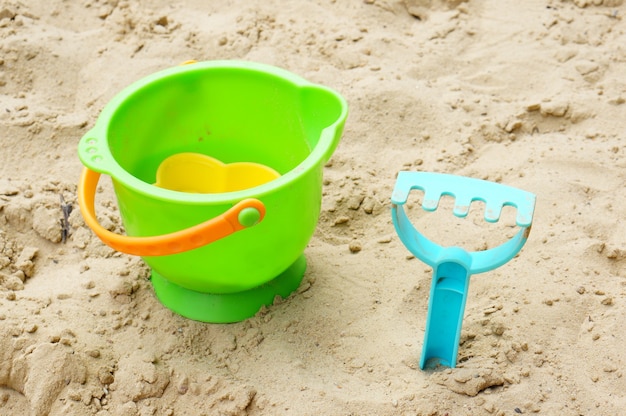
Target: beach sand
point(529, 94)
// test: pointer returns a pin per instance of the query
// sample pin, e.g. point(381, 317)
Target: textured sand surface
point(530, 94)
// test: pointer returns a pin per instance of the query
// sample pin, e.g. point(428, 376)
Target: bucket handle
point(244, 214)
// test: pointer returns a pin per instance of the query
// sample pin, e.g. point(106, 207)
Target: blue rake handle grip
point(453, 266)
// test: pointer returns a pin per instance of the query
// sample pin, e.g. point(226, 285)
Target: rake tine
point(462, 205)
point(493, 210)
point(431, 199)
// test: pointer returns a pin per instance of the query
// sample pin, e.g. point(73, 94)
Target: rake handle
point(452, 269)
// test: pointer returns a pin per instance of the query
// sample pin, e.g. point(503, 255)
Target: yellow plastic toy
point(198, 173)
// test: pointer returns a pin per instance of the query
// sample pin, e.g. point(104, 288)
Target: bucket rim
point(97, 156)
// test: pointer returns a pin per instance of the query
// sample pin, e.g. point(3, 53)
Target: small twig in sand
point(65, 222)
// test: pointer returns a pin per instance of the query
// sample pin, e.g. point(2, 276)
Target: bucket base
point(227, 307)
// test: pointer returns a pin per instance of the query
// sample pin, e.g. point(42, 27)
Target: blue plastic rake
point(453, 266)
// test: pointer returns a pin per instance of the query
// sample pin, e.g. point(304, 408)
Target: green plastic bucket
point(215, 257)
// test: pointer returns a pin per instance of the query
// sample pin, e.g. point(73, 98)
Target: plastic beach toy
point(453, 266)
point(195, 172)
point(218, 251)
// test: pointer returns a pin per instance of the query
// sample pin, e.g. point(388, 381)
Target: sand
point(529, 94)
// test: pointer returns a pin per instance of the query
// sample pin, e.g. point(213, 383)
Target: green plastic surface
point(227, 307)
point(249, 217)
point(236, 112)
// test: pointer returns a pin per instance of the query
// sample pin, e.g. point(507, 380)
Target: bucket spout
point(323, 113)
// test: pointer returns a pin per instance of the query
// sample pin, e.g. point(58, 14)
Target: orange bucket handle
point(244, 214)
